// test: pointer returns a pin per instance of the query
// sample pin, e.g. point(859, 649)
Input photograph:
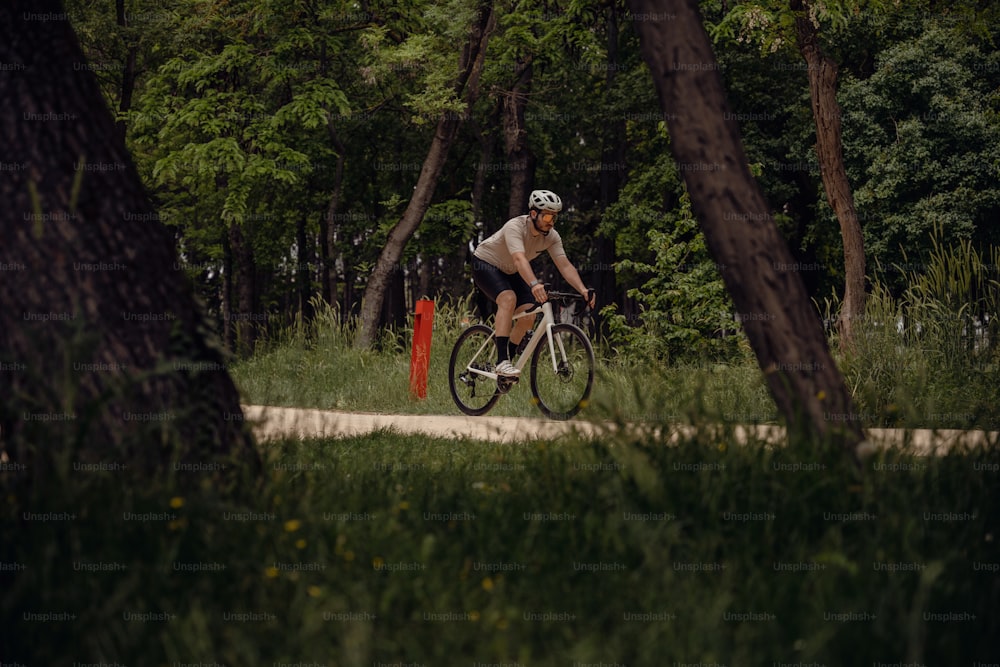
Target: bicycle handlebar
point(570, 296)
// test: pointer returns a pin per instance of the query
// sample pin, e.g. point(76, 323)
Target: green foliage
point(242, 110)
point(931, 357)
point(443, 230)
point(770, 25)
point(921, 138)
point(426, 56)
point(229, 126)
point(687, 313)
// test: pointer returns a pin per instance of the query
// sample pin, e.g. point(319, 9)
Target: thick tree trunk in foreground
point(826, 112)
point(772, 303)
point(447, 128)
point(102, 345)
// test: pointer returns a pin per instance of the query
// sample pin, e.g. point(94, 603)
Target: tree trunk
point(128, 75)
point(327, 285)
point(113, 356)
point(228, 330)
point(394, 304)
point(424, 276)
point(349, 307)
point(612, 176)
point(303, 271)
point(244, 274)
point(461, 279)
point(519, 158)
point(487, 142)
point(781, 324)
point(447, 128)
point(329, 223)
point(826, 112)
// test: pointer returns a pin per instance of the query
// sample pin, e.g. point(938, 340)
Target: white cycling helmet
point(545, 200)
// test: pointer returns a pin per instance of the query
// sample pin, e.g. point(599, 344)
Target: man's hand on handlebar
point(538, 291)
point(591, 298)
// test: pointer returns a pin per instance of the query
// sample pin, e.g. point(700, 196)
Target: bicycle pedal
point(504, 384)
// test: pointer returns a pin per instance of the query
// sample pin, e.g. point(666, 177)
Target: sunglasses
point(547, 216)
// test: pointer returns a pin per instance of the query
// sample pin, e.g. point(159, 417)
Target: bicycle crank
point(504, 384)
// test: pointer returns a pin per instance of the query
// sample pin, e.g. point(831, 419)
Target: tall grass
point(390, 549)
point(930, 357)
point(318, 367)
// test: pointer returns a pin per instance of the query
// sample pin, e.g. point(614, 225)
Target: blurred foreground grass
point(388, 549)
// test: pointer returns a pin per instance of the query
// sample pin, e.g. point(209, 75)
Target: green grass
point(917, 359)
point(618, 550)
point(935, 373)
point(395, 549)
point(322, 370)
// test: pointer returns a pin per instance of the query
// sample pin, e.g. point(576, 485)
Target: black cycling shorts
point(492, 281)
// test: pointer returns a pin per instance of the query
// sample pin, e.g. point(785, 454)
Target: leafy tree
point(237, 114)
point(770, 100)
point(448, 98)
point(687, 314)
point(923, 143)
point(281, 139)
point(587, 73)
point(773, 25)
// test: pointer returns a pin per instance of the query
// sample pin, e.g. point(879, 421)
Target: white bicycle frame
point(545, 327)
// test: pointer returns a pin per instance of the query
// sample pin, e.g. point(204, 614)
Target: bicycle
point(560, 380)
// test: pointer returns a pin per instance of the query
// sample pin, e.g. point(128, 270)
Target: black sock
point(511, 348)
point(503, 348)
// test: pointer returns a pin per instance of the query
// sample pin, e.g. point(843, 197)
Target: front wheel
point(474, 350)
point(562, 390)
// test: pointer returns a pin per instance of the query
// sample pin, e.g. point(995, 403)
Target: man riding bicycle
point(501, 269)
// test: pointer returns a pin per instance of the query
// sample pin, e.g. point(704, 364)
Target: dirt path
point(274, 422)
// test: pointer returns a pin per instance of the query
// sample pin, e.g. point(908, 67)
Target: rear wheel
point(474, 394)
point(562, 391)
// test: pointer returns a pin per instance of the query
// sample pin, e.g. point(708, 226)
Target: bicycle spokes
point(474, 392)
point(561, 383)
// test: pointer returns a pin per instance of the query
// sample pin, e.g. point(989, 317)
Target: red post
point(420, 358)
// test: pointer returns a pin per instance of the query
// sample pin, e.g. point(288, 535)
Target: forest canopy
point(281, 141)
